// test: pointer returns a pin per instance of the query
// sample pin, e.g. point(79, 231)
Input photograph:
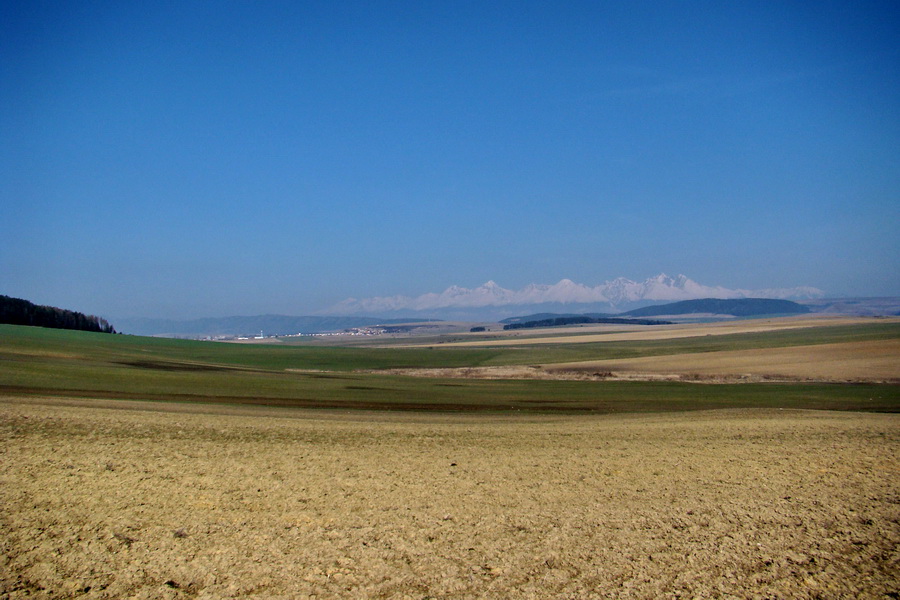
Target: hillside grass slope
point(41, 362)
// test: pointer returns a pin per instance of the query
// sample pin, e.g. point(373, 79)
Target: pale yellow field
point(142, 500)
point(618, 333)
point(852, 361)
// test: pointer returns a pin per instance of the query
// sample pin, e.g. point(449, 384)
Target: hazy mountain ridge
point(614, 294)
point(286, 325)
point(864, 307)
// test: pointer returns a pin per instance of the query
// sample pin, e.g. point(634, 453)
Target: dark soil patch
point(172, 366)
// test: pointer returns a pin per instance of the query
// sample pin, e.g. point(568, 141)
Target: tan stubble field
point(587, 334)
point(855, 361)
point(141, 500)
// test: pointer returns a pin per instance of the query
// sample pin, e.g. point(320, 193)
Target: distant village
point(353, 331)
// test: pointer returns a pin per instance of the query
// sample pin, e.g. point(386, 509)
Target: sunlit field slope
point(125, 499)
point(151, 468)
point(65, 364)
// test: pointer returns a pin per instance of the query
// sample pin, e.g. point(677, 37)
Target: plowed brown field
point(142, 500)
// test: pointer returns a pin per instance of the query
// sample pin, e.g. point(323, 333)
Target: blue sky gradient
point(185, 159)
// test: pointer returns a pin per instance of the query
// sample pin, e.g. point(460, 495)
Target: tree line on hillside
point(15, 311)
point(560, 321)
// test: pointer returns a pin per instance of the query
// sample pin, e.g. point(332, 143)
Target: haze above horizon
point(196, 159)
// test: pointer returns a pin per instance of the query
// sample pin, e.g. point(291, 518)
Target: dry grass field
point(587, 334)
point(852, 361)
point(107, 499)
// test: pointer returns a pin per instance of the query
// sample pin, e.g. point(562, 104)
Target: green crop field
point(58, 363)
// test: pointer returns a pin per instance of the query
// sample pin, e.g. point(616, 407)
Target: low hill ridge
point(738, 307)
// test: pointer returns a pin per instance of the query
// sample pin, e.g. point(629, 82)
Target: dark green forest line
point(16, 311)
point(580, 320)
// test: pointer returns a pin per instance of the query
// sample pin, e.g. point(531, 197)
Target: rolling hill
point(738, 307)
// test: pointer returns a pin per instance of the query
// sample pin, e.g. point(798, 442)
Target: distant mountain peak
point(615, 293)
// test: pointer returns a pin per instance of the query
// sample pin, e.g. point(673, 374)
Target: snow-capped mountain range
point(615, 294)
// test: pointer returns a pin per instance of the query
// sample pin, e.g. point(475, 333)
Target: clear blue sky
point(180, 159)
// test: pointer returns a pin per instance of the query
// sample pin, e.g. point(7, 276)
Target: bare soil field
point(111, 499)
point(619, 333)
